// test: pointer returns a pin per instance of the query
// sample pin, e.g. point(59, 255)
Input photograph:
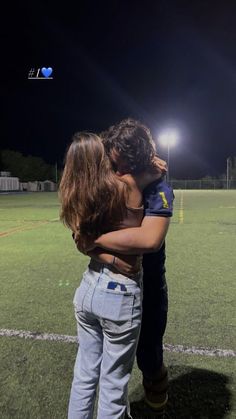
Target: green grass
point(35, 378)
point(40, 270)
point(201, 268)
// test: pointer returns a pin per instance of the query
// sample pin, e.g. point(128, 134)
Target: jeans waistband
point(113, 273)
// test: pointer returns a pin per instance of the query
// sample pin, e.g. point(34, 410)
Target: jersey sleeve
point(158, 200)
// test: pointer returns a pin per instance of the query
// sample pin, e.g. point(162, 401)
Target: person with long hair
point(107, 303)
point(131, 149)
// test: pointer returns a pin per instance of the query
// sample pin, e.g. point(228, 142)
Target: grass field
point(40, 269)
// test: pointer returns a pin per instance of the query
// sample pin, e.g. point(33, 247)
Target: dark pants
point(155, 306)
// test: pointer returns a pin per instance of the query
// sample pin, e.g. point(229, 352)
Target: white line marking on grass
point(37, 336)
point(199, 351)
point(227, 207)
point(73, 339)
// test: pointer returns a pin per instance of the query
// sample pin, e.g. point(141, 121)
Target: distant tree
point(12, 161)
point(27, 168)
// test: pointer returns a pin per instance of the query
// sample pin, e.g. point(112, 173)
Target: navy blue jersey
point(158, 200)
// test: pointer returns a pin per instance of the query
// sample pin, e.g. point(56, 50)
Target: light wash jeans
point(108, 309)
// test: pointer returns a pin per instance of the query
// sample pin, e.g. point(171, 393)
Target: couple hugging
point(118, 206)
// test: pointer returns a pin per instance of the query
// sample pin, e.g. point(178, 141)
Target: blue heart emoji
point(46, 71)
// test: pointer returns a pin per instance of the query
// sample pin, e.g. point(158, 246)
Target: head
point(88, 189)
point(130, 147)
point(84, 158)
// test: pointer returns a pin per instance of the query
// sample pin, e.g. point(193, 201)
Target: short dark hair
point(133, 142)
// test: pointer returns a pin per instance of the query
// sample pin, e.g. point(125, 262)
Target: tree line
point(30, 168)
point(26, 168)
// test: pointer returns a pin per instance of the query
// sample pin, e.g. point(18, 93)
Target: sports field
point(40, 269)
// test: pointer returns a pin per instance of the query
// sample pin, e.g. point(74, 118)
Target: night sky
point(166, 63)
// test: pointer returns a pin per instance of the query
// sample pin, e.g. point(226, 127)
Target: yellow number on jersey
point(164, 200)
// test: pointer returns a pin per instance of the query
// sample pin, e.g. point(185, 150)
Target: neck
point(145, 178)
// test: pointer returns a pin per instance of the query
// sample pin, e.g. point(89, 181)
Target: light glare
point(168, 138)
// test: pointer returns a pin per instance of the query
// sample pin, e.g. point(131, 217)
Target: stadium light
point(168, 139)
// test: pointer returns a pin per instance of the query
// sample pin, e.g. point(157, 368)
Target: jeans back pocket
point(113, 305)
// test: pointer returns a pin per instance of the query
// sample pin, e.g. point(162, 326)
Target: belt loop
point(101, 271)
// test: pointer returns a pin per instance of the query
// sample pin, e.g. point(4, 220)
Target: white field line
point(73, 339)
point(37, 336)
point(200, 351)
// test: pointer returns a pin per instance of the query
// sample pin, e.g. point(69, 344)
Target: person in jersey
point(107, 303)
point(125, 144)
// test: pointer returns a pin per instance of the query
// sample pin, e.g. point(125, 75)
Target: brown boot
point(156, 395)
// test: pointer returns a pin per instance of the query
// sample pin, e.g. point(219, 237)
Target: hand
point(128, 264)
point(160, 164)
point(84, 246)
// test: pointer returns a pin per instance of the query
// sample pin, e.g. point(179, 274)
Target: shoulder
point(158, 199)
point(127, 179)
point(156, 186)
point(133, 196)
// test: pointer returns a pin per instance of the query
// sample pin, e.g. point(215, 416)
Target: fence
point(203, 184)
point(9, 183)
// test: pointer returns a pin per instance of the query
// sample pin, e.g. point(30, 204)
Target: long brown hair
point(91, 198)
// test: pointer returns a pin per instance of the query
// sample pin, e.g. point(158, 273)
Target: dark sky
point(166, 63)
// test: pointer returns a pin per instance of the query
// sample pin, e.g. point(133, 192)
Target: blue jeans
point(108, 309)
